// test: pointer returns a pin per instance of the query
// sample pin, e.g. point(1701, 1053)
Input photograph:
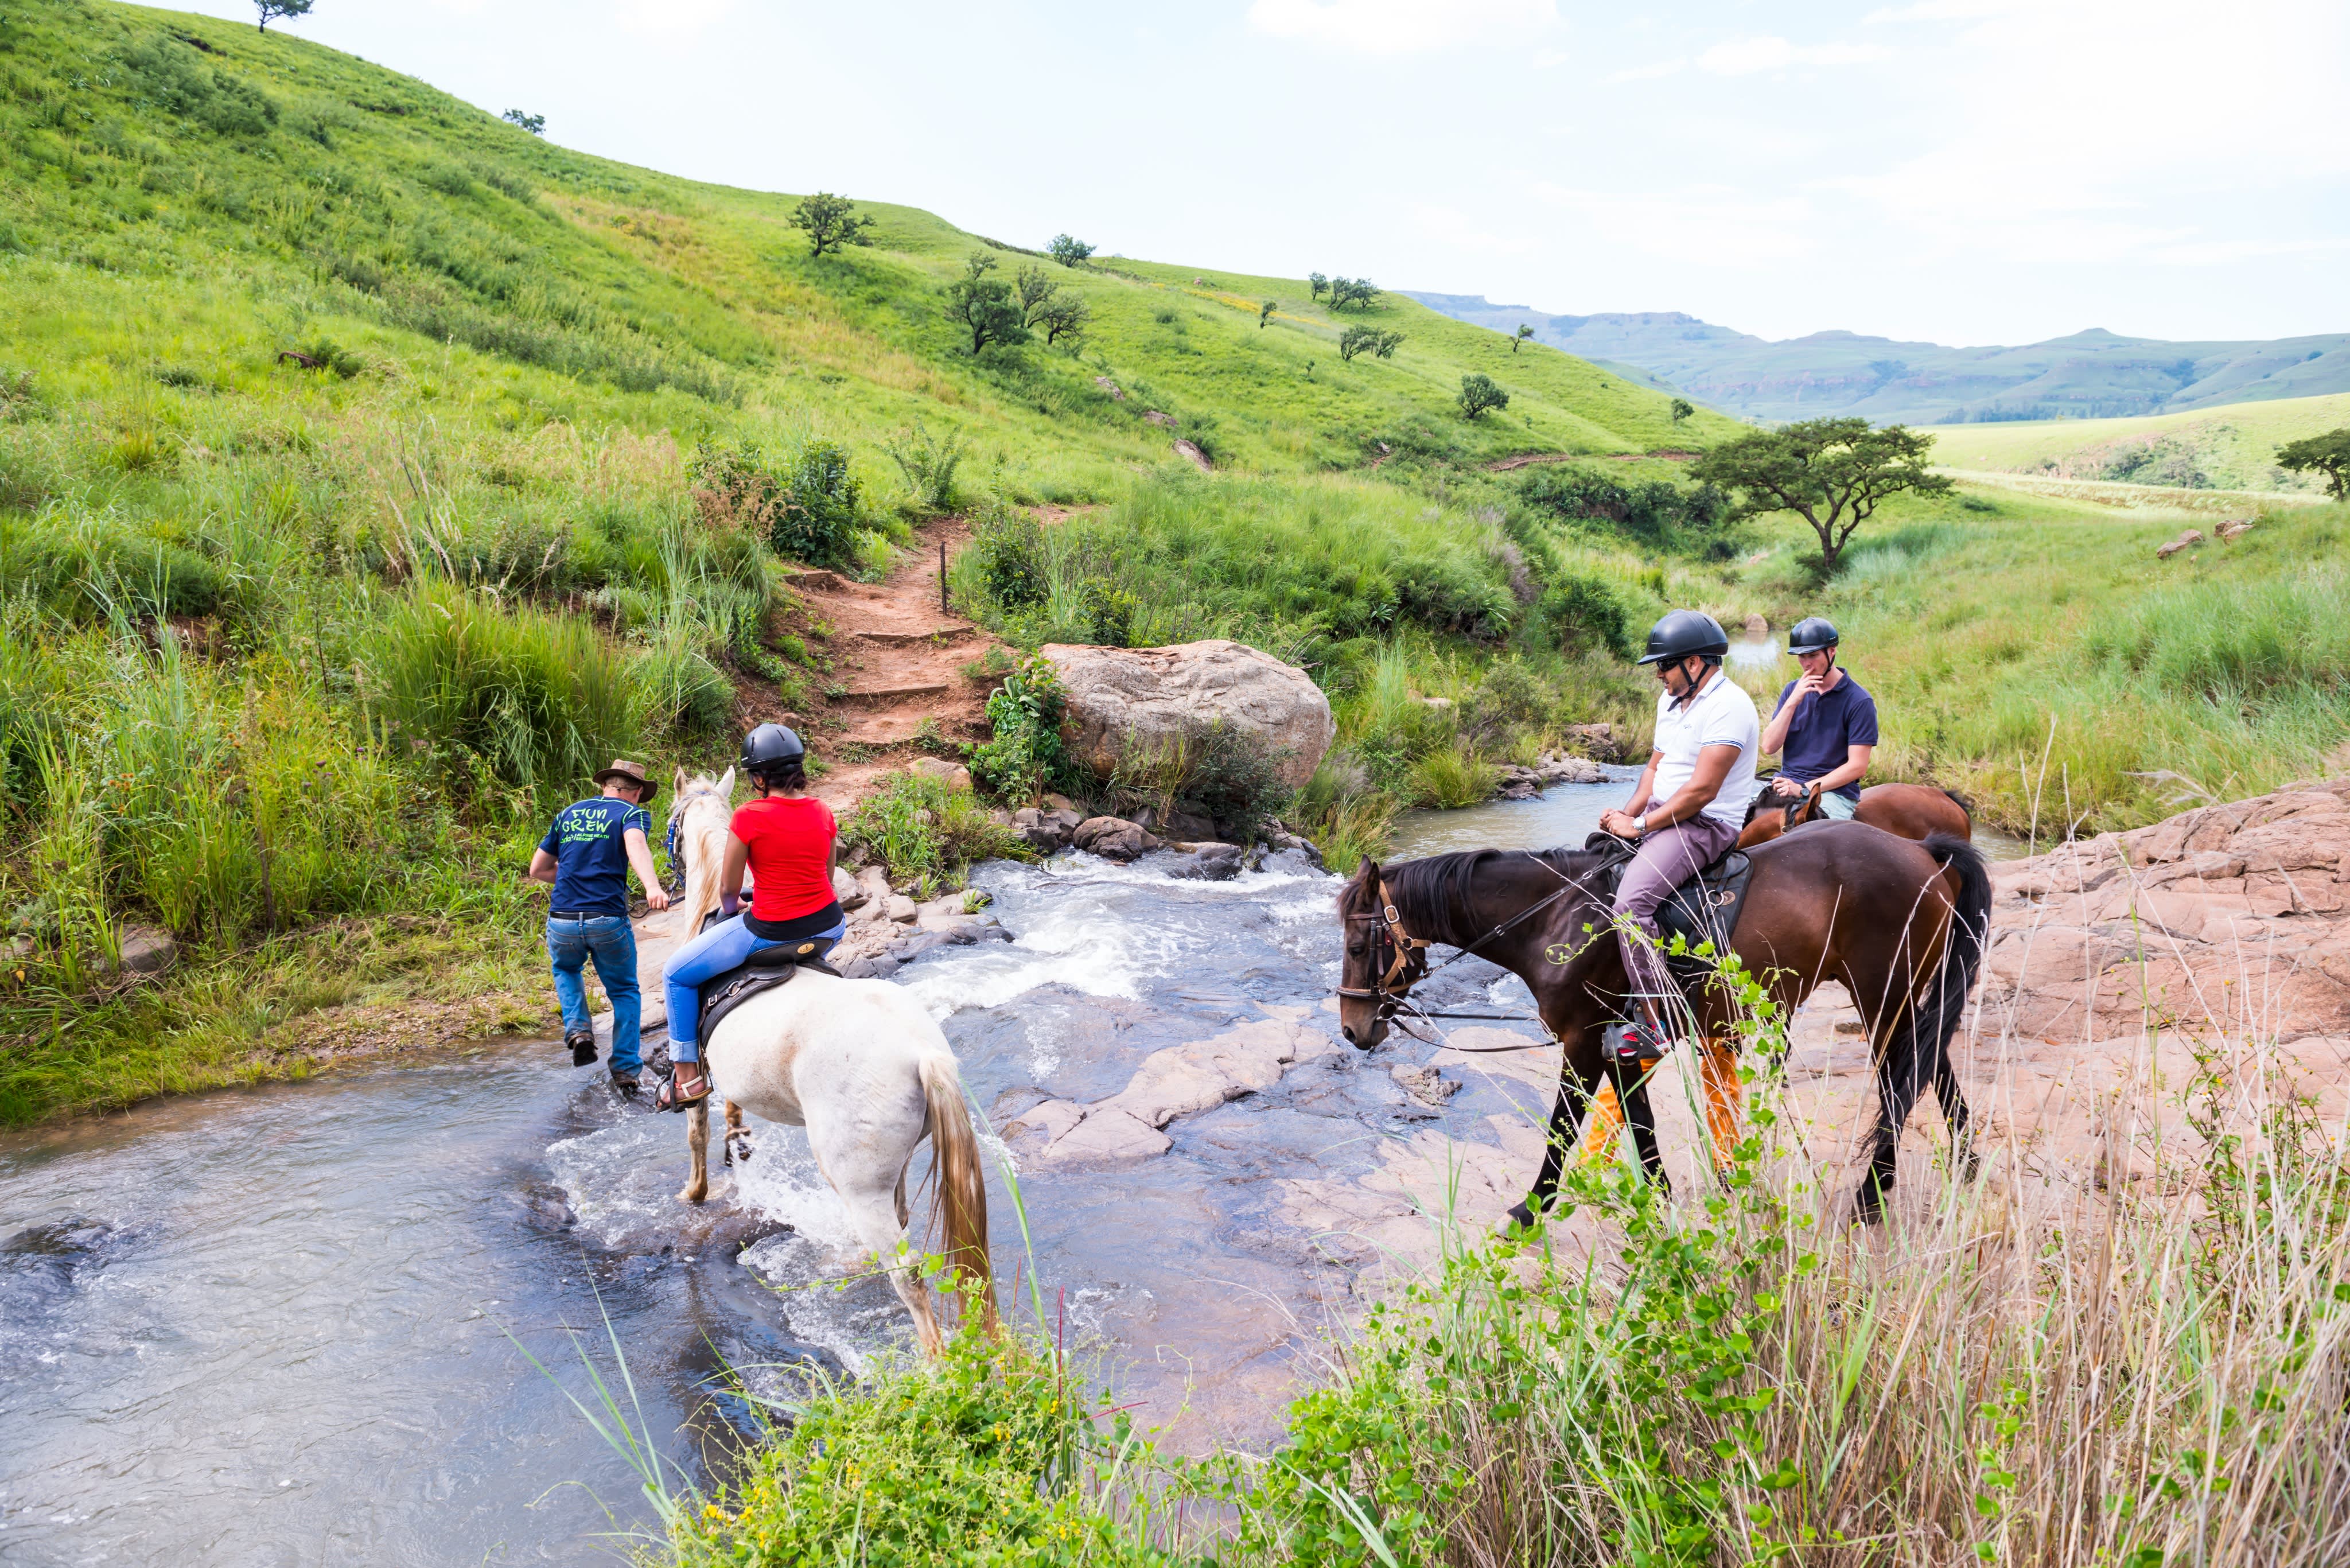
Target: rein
point(1389, 933)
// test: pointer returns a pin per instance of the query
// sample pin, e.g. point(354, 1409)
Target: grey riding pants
point(1667, 857)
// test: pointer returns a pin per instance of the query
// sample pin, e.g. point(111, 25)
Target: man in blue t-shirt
point(587, 855)
point(1825, 726)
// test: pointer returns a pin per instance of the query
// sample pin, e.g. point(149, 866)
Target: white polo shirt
point(1720, 714)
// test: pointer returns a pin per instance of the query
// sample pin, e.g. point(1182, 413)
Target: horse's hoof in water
point(738, 1150)
point(692, 1194)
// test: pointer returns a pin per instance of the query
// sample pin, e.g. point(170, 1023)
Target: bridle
point(1392, 954)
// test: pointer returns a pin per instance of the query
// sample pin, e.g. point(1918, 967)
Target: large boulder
point(1147, 698)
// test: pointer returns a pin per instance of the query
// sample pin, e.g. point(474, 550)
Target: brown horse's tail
point(959, 1191)
point(1964, 803)
point(1922, 1045)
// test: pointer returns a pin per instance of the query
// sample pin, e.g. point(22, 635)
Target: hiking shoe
point(626, 1085)
point(582, 1047)
point(1642, 1042)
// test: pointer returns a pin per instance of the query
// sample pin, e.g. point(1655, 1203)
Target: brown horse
point(1906, 811)
point(1899, 924)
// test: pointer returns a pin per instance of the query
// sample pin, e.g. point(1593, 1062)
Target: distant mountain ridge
point(2094, 374)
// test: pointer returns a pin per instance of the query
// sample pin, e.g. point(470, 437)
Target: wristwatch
point(1640, 824)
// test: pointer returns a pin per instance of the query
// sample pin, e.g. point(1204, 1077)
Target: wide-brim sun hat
point(622, 768)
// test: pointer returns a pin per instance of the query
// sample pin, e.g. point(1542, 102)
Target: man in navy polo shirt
point(1825, 727)
point(587, 855)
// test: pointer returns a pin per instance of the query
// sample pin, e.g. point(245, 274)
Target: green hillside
point(2229, 448)
point(371, 470)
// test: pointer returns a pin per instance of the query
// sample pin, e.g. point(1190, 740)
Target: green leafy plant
point(925, 831)
point(928, 464)
point(830, 222)
point(1480, 395)
point(1111, 609)
point(1026, 754)
point(1009, 543)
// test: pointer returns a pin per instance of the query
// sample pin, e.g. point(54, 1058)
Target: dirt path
point(897, 659)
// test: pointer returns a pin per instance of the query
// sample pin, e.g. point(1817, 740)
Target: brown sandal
point(673, 1096)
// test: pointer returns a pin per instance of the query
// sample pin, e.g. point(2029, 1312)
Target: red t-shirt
point(790, 842)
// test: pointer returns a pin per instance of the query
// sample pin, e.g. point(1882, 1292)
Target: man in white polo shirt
point(1690, 801)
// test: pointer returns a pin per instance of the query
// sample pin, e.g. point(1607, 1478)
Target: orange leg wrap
point(1724, 1100)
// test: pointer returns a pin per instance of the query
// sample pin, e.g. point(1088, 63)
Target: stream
point(297, 1323)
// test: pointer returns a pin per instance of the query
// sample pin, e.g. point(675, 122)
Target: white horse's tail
point(959, 1193)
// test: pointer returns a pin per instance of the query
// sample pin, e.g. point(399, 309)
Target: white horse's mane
point(700, 812)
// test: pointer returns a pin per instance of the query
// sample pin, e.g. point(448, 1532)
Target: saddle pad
point(763, 972)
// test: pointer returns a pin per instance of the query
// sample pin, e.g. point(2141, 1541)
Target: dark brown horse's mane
point(1437, 896)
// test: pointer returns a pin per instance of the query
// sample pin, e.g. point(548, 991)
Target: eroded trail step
point(935, 634)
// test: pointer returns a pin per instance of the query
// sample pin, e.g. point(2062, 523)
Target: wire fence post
point(943, 578)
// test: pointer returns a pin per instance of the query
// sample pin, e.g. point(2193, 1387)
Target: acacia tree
point(1034, 287)
point(1063, 316)
point(1265, 313)
point(830, 222)
point(1683, 409)
point(1355, 339)
point(1479, 393)
point(271, 10)
point(984, 306)
point(1523, 333)
point(1071, 253)
point(1386, 345)
point(2328, 454)
point(534, 123)
point(1315, 283)
point(1833, 473)
point(1346, 291)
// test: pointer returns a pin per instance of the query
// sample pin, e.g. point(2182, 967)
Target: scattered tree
point(272, 10)
point(1317, 283)
point(1064, 316)
point(986, 306)
point(1833, 473)
point(1683, 409)
point(2328, 454)
point(1479, 393)
point(1036, 289)
point(1265, 313)
point(1355, 339)
point(1346, 291)
point(1069, 252)
point(534, 123)
point(1523, 333)
point(1386, 345)
point(830, 222)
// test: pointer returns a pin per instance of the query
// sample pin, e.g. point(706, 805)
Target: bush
point(489, 695)
point(1449, 779)
point(924, 830)
point(929, 464)
point(807, 512)
point(1111, 611)
point(1010, 546)
point(1582, 612)
point(1026, 754)
point(1479, 393)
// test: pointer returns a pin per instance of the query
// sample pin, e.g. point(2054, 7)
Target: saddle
point(763, 972)
point(1704, 908)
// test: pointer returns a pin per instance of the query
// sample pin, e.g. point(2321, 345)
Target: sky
point(1964, 172)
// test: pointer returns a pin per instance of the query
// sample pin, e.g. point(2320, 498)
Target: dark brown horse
point(1842, 901)
point(1906, 811)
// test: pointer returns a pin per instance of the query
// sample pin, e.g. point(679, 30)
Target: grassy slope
point(2235, 445)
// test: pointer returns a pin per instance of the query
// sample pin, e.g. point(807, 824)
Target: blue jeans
point(612, 943)
point(723, 947)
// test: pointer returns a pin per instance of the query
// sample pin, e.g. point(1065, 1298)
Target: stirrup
point(666, 1098)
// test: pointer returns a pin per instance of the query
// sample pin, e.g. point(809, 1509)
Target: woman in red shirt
point(787, 837)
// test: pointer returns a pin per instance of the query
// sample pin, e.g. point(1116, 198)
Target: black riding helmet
point(767, 748)
point(1684, 632)
point(1811, 635)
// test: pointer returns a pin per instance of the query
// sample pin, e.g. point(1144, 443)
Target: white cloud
point(1708, 222)
point(670, 21)
point(1403, 26)
point(1651, 73)
point(1743, 56)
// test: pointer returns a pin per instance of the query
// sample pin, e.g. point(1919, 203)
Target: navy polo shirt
point(591, 864)
point(1824, 725)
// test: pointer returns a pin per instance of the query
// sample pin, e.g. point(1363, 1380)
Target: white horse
point(860, 1064)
